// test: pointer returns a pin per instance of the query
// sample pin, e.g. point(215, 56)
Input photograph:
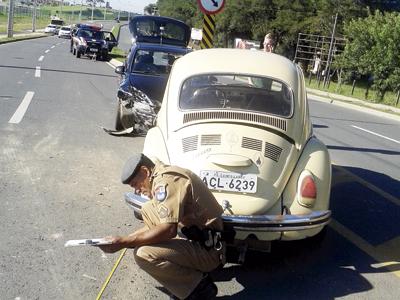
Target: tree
point(184, 10)
point(94, 2)
point(373, 50)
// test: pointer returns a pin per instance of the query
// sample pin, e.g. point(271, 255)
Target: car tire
point(118, 119)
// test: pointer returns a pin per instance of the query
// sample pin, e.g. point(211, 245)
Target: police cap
point(133, 164)
point(130, 168)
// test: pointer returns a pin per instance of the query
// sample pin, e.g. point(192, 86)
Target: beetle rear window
point(233, 92)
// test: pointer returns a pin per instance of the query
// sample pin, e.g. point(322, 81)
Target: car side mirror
point(121, 94)
point(120, 70)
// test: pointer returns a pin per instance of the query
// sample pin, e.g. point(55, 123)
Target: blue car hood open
point(159, 30)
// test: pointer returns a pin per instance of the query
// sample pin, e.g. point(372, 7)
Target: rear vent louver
point(252, 144)
point(210, 139)
point(273, 152)
point(190, 143)
point(231, 115)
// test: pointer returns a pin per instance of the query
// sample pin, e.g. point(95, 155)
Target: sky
point(135, 6)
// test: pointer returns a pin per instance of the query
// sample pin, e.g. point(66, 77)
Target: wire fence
point(25, 11)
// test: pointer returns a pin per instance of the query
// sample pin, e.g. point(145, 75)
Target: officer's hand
point(116, 244)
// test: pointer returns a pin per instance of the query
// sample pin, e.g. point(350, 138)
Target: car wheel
point(118, 119)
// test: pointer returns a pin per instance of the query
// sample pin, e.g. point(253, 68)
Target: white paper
point(87, 242)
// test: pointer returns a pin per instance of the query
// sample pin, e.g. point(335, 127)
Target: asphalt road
point(59, 180)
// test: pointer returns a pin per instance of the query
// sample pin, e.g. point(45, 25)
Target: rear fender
point(155, 146)
point(314, 158)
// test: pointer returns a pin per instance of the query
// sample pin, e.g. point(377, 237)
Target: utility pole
point(92, 8)
point(72, 13)
point(329, 60)
point(34, 16)
point(80, 11)
point(105, 11)
point(10, 19)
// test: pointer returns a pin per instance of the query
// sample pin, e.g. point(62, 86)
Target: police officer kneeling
point(180, 203)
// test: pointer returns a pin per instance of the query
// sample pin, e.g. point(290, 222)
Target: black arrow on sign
point(215, 3)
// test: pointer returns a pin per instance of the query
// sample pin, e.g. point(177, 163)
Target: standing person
point(268, 43)
point(179, 203)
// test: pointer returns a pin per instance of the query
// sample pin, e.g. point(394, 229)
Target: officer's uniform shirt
point(180, 196)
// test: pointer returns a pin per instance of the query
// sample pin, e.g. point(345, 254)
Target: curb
point(115, 63)
point(22, 38)
point(377, 109)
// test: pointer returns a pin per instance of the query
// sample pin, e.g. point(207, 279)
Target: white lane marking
point(21, 110)
point(47, 51)
point(377, 134)
point(41, 58)
point(52, 47)
point(37, 72)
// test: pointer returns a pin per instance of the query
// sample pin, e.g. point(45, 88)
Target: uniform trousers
point(177, 264)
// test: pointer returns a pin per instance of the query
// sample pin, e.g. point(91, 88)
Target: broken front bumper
point(258, 223)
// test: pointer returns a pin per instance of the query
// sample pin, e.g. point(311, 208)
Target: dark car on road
point(156, 43)
point(91, 40)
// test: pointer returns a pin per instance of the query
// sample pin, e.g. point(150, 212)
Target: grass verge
point(22, 23)
point(118, 54)
point(359, 92)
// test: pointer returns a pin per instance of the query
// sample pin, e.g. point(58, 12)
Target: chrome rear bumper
point(259, 223)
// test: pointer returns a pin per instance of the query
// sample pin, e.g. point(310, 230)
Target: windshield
point(154, 62)
point(89, 34)
point(66, 28)
point(238, 92)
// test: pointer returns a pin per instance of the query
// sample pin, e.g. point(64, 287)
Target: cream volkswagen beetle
point(239, 119)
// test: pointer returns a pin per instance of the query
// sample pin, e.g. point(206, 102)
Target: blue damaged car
point(156, 43)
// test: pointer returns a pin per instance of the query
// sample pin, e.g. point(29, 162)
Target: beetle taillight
point(306, 189)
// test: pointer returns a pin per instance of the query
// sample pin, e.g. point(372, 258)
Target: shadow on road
point(301, 270)
point(333, 267)
point(59, 71)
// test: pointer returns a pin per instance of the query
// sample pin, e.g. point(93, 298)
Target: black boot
point(205, 290)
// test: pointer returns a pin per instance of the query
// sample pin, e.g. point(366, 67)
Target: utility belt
point(207, 237)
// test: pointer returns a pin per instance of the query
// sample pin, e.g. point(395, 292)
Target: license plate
point(228, 181)
point(93, 49)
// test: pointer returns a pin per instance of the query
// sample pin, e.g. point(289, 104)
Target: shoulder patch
point(163, 212)
point(160, 192)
